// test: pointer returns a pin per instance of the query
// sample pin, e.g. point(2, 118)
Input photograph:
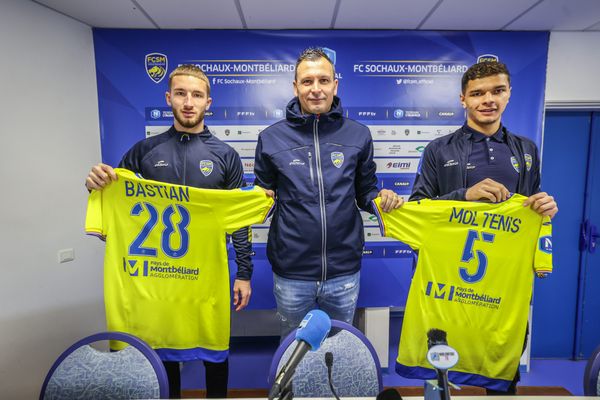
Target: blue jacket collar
point(294, 112)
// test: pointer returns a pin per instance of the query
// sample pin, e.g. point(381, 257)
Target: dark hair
point(313, 54)
point(483, 70)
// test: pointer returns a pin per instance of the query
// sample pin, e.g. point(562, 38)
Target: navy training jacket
point(443, 167)
point(322, 170)
point(198, 160)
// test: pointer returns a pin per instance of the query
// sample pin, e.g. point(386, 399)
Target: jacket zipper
point(310, 168)
point(187, 137)
point(321, 200)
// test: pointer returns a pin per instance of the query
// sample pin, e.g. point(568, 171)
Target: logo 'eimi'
point(133, 269)
point(440, 291)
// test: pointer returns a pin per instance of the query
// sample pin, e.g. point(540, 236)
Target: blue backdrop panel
point(403, 85)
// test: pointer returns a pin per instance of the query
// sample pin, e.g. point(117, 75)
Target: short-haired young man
point(175, 156)
point(483, 160)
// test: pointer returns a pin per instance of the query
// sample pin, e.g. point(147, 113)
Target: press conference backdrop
point(404, 86)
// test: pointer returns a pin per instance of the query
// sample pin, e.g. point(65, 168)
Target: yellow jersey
point(473, 279)
point(166, 275)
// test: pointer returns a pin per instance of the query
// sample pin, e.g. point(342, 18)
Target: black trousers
point(216, 379)
point(512, 388)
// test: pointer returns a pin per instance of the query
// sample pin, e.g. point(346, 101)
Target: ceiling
point(547, 15)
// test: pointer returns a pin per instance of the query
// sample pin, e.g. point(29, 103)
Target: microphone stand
point(329, 363)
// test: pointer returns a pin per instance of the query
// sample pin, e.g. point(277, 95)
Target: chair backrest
point(356, 370)
point(82, 372)
point(591, 383)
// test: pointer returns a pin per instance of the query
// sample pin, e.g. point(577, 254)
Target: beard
point(187, 122)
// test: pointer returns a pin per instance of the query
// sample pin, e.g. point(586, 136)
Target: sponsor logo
point(412, 114)
point(367, 114)
point(398, 113)
point(407, 132)
point(515, 163)
point(133, 268)
point(440, 291)
point(487, 57)
point(442, 356)
point(296, 161)
point(161, 163)
point(402, 183)
point(158, 269)
point(155, 114)
point(446, 114)
point(206, 167)
point(528, 161)
point(420, 149)
point(156, 66)
point(337, 158)
point(227, 132)
point(278, 113)
point(546, 244)
point(450, 163)
point(399, 164)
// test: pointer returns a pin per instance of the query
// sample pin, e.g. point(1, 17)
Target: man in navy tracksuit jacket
point(188, 154)
point(483, 160)
point(320, 166)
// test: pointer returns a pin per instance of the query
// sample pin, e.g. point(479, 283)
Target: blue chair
point(590, 376)
point(356, 369)
point(82, 372)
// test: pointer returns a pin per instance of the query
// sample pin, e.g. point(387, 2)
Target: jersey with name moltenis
point(473, 279)
point(166, 276)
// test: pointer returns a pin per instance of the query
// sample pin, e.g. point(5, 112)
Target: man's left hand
point(389, 200)
point(542, 203)
point(241, 294)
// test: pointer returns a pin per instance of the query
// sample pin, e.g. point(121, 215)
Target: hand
point(542, 203)
point(241, 294)
point(487, 189)
point(100, 176)
point(268, 192)
point(389, 200)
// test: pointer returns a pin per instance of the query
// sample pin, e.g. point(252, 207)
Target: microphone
point(311, 332)
point(442, 357)
point(329, 364)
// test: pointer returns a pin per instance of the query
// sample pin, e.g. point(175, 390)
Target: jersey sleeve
point(93, 219)
point(408, 223)
point(244, 207)
point(542, 262)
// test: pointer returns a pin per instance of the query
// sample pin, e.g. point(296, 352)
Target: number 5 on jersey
point(468, 255)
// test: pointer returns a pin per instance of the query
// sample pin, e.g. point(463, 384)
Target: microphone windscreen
point(314, 328)
point(389, 394)
point(436, 336)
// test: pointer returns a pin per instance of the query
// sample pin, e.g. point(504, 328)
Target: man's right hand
point(487, 189)
point(100, 176)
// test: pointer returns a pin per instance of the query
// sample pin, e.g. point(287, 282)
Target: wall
point(50, 139)
point(573, 65)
